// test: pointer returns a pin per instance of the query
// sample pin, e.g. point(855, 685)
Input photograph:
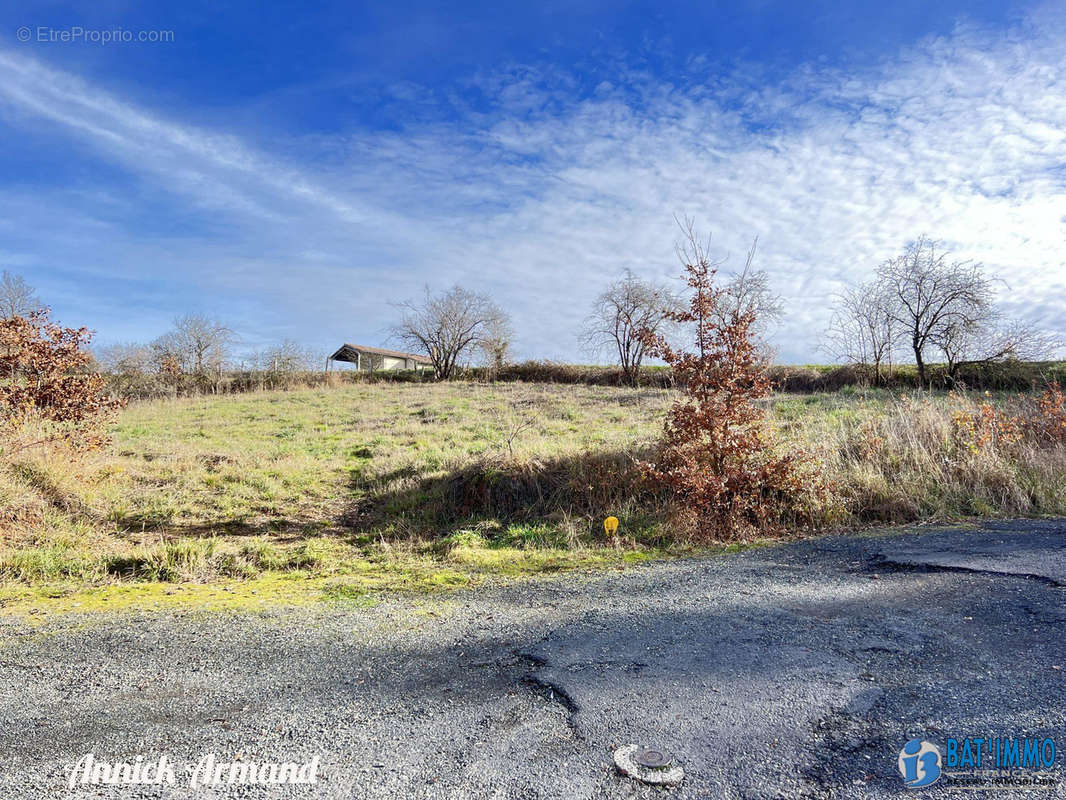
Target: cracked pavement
point(797, 670)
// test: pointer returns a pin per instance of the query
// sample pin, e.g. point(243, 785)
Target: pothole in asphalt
point(648, 765)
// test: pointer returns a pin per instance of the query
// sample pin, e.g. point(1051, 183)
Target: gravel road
point(797, 670)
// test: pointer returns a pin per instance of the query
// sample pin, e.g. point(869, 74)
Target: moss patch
point(359, 582)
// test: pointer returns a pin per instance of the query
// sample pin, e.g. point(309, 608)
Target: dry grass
point(917, 457)
point(425, 482)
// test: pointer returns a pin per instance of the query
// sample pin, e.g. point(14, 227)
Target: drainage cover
point(651, 758)
point(654, 767)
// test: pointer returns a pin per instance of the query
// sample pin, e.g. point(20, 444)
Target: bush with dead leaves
point(47, 392)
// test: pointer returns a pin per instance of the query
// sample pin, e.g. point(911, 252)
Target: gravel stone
point(784, 671)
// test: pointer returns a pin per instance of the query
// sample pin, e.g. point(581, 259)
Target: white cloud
point(548, 197)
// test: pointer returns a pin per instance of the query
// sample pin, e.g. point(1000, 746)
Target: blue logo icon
point(919, 763)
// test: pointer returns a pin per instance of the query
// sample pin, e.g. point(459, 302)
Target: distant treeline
point(1000, 376)
point(1015, 376)
point(1004, 376)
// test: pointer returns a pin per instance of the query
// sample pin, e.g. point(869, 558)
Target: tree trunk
point(953, 371)
point(921, 364)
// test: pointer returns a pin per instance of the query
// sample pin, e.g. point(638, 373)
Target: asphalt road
point(793, 671)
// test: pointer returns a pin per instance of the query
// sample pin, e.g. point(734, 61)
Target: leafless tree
point(745, 292)
point(749, 291)
point(286, 357)
point(862, 331)
point(17, 298)
point(130, 367)
point(924, 301)
point(518, 419)
point(992, 338)
point(926, 295)
point(447, 327)
point(627, 307)
point(129, 358)
point(495, 345)
point(198, 343)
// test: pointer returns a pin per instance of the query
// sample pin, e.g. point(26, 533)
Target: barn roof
point(346, 351)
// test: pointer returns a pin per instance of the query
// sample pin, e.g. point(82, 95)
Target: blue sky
point(292, 169)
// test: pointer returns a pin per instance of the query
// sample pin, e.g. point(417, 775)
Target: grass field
point(310, 493)
point(337, 493)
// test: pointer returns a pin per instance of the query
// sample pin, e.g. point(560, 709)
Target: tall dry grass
point(929, 457)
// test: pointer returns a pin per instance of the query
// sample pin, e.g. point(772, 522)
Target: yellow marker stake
point(610, 525)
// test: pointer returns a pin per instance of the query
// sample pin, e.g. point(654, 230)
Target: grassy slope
point(289, 484)
point(329, 493)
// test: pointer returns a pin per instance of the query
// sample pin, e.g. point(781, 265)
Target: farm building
point(373, 359)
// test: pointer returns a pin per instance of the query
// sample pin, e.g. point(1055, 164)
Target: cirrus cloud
point(540, 192)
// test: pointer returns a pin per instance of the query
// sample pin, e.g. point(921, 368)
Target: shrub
point(717, 452)
point(554, 372)
point(1049, 423)
point(46, 394)
point(983, 427)
point(930, 457)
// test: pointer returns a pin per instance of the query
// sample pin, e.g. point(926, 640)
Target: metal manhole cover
point(651, 758)
point(648, 765)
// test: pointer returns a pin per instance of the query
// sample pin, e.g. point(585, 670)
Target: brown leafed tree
point(47, 395)
point(717, 452)
point(449, 327)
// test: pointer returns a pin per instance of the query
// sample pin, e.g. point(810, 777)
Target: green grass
point(298, 461)
point(339, 494)
point(350, 578)
point(327, 484)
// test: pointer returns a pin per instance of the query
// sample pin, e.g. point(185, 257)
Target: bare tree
point(862, 331)
point(286, 357)
point(924, 301)
point(517, 420)
point(128, 358)
point(927, 295)
point(17, 298)
point(749, 292)
point(448, 326)
point(130, 366)
point(199, 344)
point(746, 292)
point(990, 339)
point(495, 345)
point(627, 307)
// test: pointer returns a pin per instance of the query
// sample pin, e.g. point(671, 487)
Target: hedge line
point(1010, 376)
